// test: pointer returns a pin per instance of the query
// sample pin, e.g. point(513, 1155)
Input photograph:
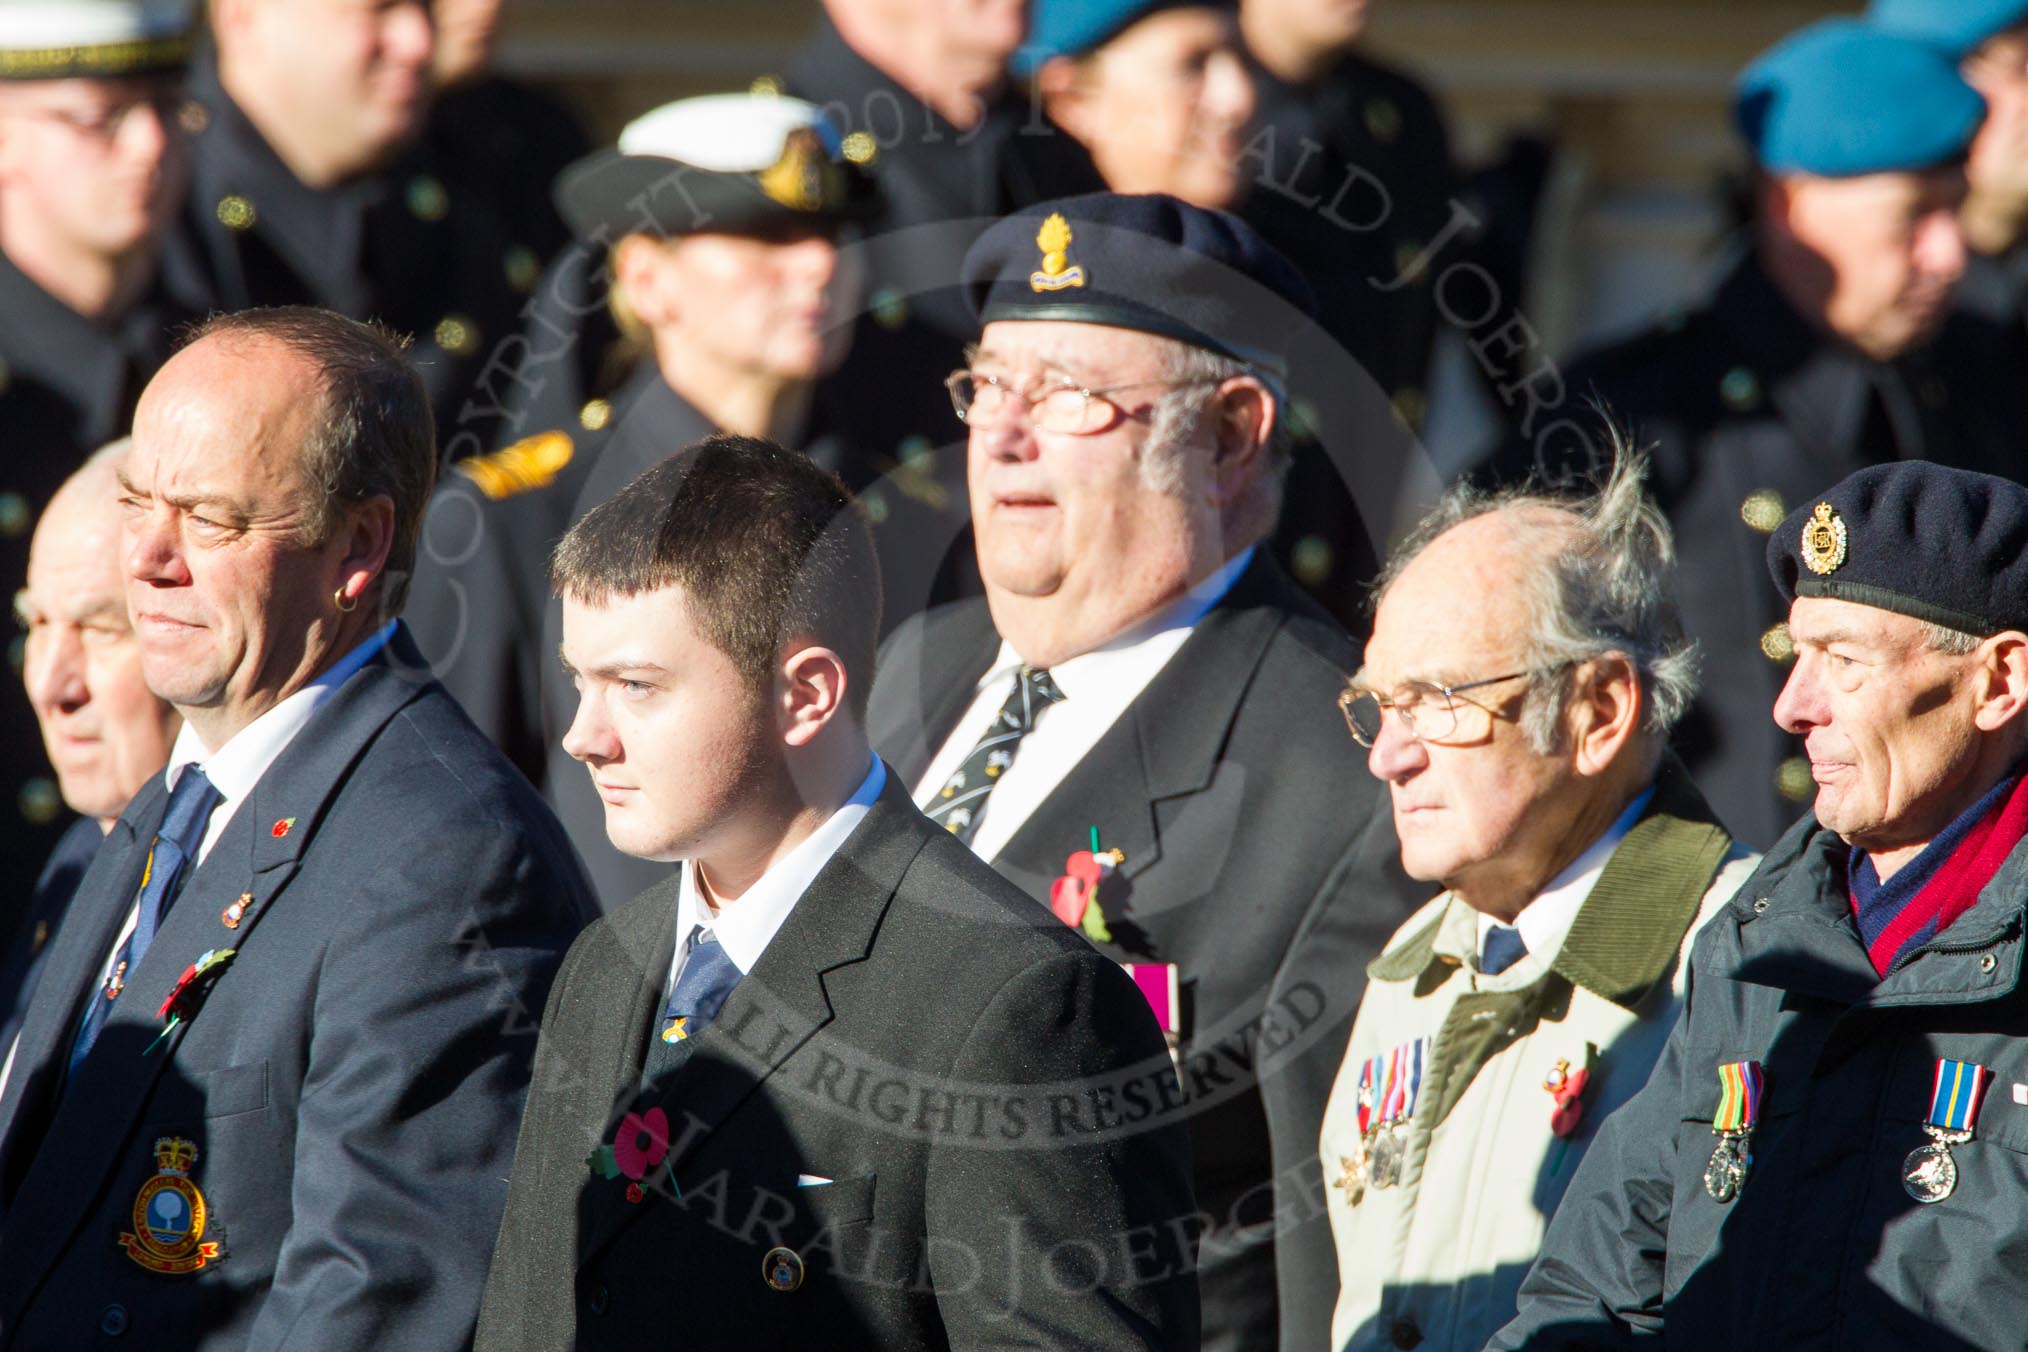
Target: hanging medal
point(1398, 1081)
point(1741, 1084)
point(1929, 1173)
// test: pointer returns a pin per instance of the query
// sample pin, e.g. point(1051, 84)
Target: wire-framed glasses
point(1429, 712)
point(1058, 406)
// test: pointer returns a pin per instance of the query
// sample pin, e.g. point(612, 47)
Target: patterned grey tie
point(962, 798)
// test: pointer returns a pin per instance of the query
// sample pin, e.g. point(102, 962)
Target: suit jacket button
point(599, 1300)
point(113, 1320)
point(1405, 1334)
point(782, 1269)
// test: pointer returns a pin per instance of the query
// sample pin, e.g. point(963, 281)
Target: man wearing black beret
point(1831, 1150)
point(1137, 723)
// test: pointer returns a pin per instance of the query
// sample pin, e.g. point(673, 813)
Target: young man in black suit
point(1173, 693)
point(833, 1082)
point(266, 1093)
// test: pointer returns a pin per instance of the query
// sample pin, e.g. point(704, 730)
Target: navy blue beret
point(1074, 27)
point(1147, 262)
point(1944, 545)
point(1842, 98)
point(1957, 26)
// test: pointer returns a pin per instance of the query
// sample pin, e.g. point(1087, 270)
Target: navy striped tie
point(962, 799)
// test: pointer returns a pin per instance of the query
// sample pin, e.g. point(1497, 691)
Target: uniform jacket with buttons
point(1440, 1256)
point(929, 1117)
point(1746, 411)
point(1823, 1247)
point(397, 900)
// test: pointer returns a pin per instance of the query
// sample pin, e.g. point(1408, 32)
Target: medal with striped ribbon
point(1390, 1083)
point(1929, 1173)
point(1740, 1087)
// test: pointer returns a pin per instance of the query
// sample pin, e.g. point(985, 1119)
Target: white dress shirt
point(1097, 687)
point(1545, 922)
point(744, 928)
point(233, 770)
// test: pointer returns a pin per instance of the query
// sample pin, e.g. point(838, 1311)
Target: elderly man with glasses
point(1135, 723)
point(1527, 663)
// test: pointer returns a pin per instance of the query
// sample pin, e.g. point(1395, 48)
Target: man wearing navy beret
point(1989, 41)
point(1833, 1148)
point(1828, 345)
point(1137, 723)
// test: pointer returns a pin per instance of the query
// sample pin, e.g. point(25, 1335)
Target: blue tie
point(1503, 949)
point(169, 862)
point(707, 978)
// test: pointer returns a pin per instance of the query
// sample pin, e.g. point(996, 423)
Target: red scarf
point(1966, 856)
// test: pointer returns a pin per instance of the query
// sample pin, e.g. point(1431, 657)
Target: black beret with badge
point(1947, 546)
point(731, 163)
point(1148, 262)
point(93, 39)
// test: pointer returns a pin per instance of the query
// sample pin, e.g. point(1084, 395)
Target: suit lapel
point(88, 1134)
point(783, 1001)
point(1165, 746)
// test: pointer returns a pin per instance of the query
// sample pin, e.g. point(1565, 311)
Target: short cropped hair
point(768, 548)
point(1604, 584)
point(374, 435)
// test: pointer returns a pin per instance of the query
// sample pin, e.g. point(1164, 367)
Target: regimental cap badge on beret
point(1824, 541)
point(805, 177)
point(1057, 270)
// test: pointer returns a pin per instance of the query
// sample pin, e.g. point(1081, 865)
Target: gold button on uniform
point(595, 415)
point(1383, 119)
point(40, 802)
point(1776, 645)
point(457, 335)
point(1312, 560)
point(782, 1269)
point(889, 307)
point(15, 516)
point(236, 213)
point(1763, 510)
point(1793, 780)
point(523, 268)
point(428, 200)
point(1740, 390)
point(859, 148)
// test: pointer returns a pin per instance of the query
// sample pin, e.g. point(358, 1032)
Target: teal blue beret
point(1955, 25)
point(1074, 27)
point(1842, 98)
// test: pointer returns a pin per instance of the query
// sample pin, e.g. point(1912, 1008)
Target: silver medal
point(1726, 1172)
point(1383, 1162)
point(1929, 1173)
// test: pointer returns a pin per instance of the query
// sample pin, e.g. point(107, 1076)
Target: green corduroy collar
point(1627, 933)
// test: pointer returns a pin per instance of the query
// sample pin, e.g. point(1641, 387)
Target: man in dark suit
point(770, 1110)
point(1144, 691)
point(267, 1092)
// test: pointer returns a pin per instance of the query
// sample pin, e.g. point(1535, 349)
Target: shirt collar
point(1090, 669)
point(1545, 921)
point(746, 927)
point(237, 766)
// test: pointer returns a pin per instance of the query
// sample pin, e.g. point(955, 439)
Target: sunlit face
point(670, 732)
point(1084, 521)
point(1164, 107)
point(1319, 25)
point(232, 603)
point(104, 730)
point(742, 305)
point(1999, 158)
point(466, 30)
point(99, 164)
point(1889, 249)
point(1886, 721)
point(1470, 814)
point(355, 72)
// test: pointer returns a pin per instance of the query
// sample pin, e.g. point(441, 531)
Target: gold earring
point(345, 606)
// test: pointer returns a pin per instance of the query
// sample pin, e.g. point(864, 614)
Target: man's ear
point(369, 537)
point(813, 681)
point(2001, 680)
point(1606, 713)
point(1243, 419)
point(1059, 88)
point(637, 274)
